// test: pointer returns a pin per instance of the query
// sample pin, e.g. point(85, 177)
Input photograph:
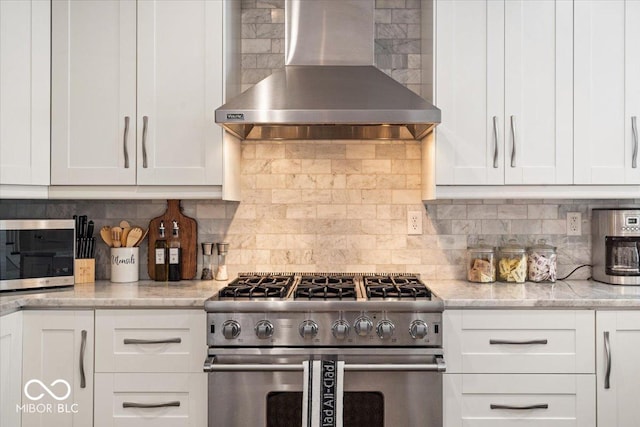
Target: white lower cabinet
point(519, 367)
point(618, 368)
point(10, 369)
point(505, 400)
point(57, 368)
point(158, 400)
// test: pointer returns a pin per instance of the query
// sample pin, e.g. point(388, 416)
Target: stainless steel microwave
point(36, 254)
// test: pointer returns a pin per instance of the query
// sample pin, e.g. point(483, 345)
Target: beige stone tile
point(331, 181)
point(271, 241)
point(360, 151)
point(451, 212)
point(346, 166)
point(450, 272)
point(482, 211)
point(271, 211)
point(301, 241)
point(255, 256)
point(512, 212)
point(270, 151)
point(391, 181)
point(426, 272)
point(406, 167)
point(244, 210)
point(413, 149)
point(279, 226)
point(301, 180)
point(406, 256)
point(271, 181)
point(312, 166)
point(332, 211)
point(250, 166)
point(361, 241)
point(210, 211)
point(346, 196)
point(266, 268)
point(414, 182)
point(287, 166)
point(376, 196)
point(247, 182)
point(542, 211)
point(360, 268)
point(337, 226)
point(286, 196)
point(316, 196)
point(333, 150)
point(554, 226)
point(373, 256)
point(257, 196)
point(399, 226)
point(241, 241)
point(405, 196)
point(376, 166)
point(292, 256)
point(376, 226)
point(248, 151)
point(452, 242)
point(383, 212)
point(361, 181)
point(391, 241)
point(526, 226)
point(466, 226)
point(391, 151)
point(422, 241)
point(301, 211)
point(300, 150)
point(496, 226)
point(361, 211)
point(391, 268)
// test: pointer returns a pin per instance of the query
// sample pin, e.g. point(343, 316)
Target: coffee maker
point(615, 245)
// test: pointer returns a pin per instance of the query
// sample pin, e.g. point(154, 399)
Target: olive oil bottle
point(162, 265)
point(175, 254)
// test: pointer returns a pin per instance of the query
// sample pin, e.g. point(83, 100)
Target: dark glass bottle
point(175, 254)
point(162, 271)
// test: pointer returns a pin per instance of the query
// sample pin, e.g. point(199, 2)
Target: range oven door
point(382, 387)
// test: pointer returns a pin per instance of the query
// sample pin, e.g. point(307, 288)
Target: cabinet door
point(10, 369)
point(470, 92)
point(618, 402)
point(24, 92)
point(607, 92)
point(538, 92)
point(179, 87)
point(93, 92)
point(58, 368)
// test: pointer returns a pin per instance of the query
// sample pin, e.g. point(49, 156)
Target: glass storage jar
point(512, 263)
point(542, 262)
point(481, 263)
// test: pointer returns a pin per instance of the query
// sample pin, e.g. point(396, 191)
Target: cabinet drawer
point(158, 400)
point(150, 340)
point(519, 341)
point(489, 400)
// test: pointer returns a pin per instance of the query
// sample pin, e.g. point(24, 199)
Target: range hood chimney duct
point(329, 88)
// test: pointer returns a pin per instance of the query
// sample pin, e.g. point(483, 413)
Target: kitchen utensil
point(124, 224)
point(188, 237)
point(142, 238)
point(90, 228)
point(123, 236)
point(207, 254)
point(116, 235)
point(133, 236)
point(105, 233)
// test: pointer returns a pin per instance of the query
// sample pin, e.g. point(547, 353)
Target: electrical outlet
point(414, 222)
point(574, 224)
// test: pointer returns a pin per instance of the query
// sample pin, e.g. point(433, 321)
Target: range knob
point(230, 329)
point(418, 329)
point(264, 329)
point(340, 329)
point(385, 329)
point(308, 329)
point(363, 326)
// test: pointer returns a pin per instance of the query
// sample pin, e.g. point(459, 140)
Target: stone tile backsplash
point(342, 206)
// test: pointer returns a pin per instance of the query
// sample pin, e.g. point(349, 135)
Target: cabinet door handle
point(145, 124)
point(160, 341)
point(634, 134)
point(527, 342)
point(150, 405)
point(83, 345)
point(124, 142)
point(519, 407)
point(495, 141)
point(607, 350)
point(513, 147)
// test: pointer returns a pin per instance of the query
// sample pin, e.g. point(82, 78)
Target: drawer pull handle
point(492, 342)
point(124, 141)
point(160, 341)
point(607, 349)
point(149, 405)
point(83, 346)
point(495, 141)
point(518, 407)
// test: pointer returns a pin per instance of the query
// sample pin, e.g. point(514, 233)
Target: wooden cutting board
point(188, 237)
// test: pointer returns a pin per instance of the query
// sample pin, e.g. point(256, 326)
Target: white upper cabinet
point(504, 84)
point(607, 92)
point(24, 92)
point(135, 85)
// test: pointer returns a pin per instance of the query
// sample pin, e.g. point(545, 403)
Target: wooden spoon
point(105, 233)
point(123, 236)
point(133, 236)
point(116, 235)
point(142, 238)
point(124, 224)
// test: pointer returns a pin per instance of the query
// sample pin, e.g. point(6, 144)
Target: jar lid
point(512, 247)
point(542, 245)
point(481, 247)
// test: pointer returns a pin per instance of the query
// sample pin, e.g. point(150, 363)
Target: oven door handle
point(210, 365)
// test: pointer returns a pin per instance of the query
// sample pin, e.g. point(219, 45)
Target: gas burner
point(326, 287)
point(257, 286)
point(396, 287)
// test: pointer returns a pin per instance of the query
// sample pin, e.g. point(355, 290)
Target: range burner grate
point(326, 287)
point(257, 286)
point(395, 287)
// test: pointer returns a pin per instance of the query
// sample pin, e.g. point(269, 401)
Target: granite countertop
point(582, 294)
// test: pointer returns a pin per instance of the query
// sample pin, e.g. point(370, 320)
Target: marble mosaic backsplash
point(342, 206)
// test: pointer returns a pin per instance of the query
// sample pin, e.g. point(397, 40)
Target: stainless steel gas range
point(385, 329)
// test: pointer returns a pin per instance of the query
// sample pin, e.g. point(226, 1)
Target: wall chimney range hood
point(329, 88)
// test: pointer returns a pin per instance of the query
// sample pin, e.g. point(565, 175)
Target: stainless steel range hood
point(329, 88)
